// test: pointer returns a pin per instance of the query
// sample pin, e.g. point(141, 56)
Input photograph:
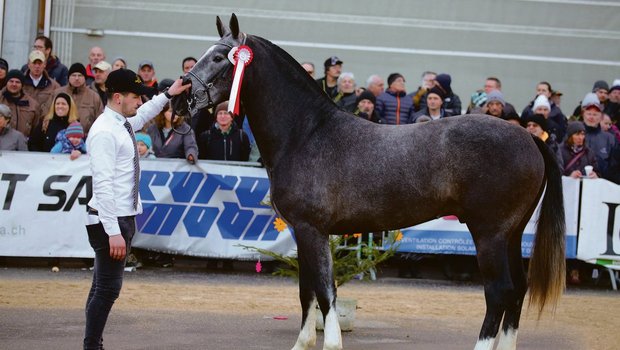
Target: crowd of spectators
point(47, 107)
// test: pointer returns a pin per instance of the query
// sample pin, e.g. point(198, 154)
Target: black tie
point(136, 165)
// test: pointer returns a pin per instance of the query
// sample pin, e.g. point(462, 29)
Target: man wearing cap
point(10, 139)
point(599, 141)
point(146, 71)
point(88, 102)
point(490, 84)
point(37, 83)
point(601, 90)
point(101, 70)
point(329, 83)
point(115, 180)
point(95, 55)
point(366, 107)
point(433, 107)
point(54, 68)
point(25, 110)
point(394, 106)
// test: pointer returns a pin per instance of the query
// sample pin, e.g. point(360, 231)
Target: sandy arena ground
point(393, 313)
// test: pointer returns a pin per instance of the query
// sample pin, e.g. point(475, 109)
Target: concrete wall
point(570, 43)
point(18, 30)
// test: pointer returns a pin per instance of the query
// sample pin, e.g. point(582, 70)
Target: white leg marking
point(333, 338)
point(307, 335)
point(485, 344)
point(508, 340)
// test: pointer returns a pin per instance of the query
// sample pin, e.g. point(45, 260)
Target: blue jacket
point(395, 108)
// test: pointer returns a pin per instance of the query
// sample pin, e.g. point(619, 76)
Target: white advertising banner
point(599, 228)
point(201, 210)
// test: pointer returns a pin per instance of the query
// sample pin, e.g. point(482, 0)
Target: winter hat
point(221, 107)
point(479, 98)
point(164, 84)
point(393, 77)
point(444, 80)
point(77, 68)
point(437, 90)
point(74, 130)
point(512, 116)
point(541, 101)
point(15, 73)
point(496, 95)
point(535, 118)
point(573, 128)
point(600, 84)
point(4, 64)
point(144, 138)
point(591, 100)
point(615, 85)
point(366, 95)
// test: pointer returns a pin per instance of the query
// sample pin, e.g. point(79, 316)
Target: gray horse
point(334, 173)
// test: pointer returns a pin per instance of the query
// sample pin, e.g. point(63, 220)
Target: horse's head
point(212, 76)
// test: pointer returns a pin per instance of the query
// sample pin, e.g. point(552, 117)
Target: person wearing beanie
point(329, 82)
point(433, 108)
point(599, 141)
point(556, 119)
point(115, 202)
point(225, 140)
point(70, 141)
point(394, 106)
point(145, 145)
point(88, 102)
point(10, 139)
point(451, 101)
point(60, 114)
point(576, 154)
point(601, 90)
point(366, 102)
point(24, 108)
point(537, 125)
point(37, 83)
point(612, 107)
point(495, 104)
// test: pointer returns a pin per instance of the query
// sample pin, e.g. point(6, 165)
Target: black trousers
point(107, 279)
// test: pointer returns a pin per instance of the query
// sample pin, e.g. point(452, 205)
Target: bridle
point(202, 94)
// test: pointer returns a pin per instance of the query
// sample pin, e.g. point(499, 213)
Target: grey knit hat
point(573, 128)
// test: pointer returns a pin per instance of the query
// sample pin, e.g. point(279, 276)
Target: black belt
point(91, 211)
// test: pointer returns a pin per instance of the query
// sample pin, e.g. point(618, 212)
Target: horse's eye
point(217, 59)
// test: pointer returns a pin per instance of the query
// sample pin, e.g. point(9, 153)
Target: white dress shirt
point(111, 152)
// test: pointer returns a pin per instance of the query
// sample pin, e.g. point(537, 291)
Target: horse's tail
point(547, 268)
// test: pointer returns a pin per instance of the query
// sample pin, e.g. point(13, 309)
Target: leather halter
point(202, 94)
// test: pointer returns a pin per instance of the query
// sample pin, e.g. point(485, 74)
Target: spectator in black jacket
point(557, 119)
point(451, 102)
point(225, 140)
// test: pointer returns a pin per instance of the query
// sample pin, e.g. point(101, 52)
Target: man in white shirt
point(115, 175)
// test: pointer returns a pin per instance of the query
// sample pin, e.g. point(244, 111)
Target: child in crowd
point(145, 144)
point(70, 141)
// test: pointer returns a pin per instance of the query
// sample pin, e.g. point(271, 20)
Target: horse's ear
point(234, 26)
point(220, 27)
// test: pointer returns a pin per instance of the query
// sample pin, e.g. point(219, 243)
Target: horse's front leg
point(316, 283)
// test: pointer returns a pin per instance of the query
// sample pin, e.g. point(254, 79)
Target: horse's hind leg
point(495, 272)
point(316, 283)
point(510, 325)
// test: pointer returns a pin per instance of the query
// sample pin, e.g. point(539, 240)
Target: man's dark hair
point(499, 83)
point(189, 58)
point(548, 85)
point(47, 42)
